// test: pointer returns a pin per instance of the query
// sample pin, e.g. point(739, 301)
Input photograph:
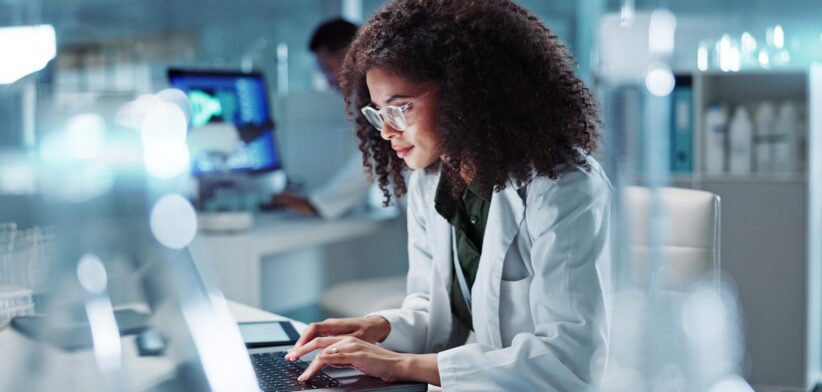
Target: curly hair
point(511, 107)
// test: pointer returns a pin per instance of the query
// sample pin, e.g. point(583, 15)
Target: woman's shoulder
point(580, 182)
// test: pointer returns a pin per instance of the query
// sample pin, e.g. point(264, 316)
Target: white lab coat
point(540, 295)
point(346, 190)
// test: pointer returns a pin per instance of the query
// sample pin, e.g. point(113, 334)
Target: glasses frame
point(384, 115)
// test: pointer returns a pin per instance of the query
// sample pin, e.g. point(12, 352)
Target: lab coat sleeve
point(348, 188)
point(568, 223)
point(409, 324)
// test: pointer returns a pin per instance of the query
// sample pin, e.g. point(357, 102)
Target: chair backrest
point(688, 233)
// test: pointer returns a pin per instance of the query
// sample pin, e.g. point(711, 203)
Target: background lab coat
point(539, 292)
point(346, 190)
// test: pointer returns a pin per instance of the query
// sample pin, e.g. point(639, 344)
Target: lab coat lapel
point(440, 235)
point(440, 240)
point(504, 218)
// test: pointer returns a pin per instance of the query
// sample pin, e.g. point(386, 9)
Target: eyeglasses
point(394, 116)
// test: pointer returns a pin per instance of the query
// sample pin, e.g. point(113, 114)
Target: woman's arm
point(404, 330)
point(409, 324)
point(423, 367)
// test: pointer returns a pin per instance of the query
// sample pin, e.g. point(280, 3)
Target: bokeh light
point(85, 134)
point(163, 133)
point(660, 80)
point(92, 274)
point(165, 122)
point(174, 221)
point(705, 317)
point(166, 161)
point(661, 32)
point(178, 98)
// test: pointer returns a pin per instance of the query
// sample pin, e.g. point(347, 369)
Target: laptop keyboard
point(274, 373)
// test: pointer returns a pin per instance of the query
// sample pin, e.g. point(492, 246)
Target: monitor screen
point(239, 98)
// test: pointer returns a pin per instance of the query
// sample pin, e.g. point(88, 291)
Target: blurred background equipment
point(231, 141)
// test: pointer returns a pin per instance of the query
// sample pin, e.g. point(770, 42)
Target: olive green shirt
point(468, 216)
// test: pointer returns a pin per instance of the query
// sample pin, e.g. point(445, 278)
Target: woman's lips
point(402, 152)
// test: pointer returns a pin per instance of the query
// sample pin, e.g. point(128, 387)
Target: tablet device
point(268, 333)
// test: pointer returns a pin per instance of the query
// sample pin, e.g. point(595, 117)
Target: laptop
point(267, 343)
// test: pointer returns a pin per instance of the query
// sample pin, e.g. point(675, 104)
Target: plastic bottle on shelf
point(765, 117)
point(740, 136)
point(716, 134)
point(786, 139)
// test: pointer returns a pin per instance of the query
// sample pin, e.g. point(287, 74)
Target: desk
point(236, 258)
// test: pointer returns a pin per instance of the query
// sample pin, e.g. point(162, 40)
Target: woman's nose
point(388, 132)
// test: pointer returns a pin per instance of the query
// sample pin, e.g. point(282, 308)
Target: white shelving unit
point(765, 229)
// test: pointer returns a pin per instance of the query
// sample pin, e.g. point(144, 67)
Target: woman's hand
point(371, 329)
point(347, 351)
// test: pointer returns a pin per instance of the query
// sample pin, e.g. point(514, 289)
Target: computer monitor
point(239, 98)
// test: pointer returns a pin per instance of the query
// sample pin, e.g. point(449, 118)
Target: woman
point(508, 214)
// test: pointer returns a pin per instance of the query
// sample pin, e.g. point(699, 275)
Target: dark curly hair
point(511, 106)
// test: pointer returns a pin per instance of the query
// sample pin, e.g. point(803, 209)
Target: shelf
point(754, 72)
point(772, 178)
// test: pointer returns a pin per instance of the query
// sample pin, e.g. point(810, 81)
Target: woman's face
point(419, 144)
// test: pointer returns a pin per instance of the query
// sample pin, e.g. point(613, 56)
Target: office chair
point(689, 234)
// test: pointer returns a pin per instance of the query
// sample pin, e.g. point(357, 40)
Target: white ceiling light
point(25, 50)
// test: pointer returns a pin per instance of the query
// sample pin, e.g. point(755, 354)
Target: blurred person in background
point(349, 186)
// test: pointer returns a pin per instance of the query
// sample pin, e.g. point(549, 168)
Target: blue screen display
point(235, 97)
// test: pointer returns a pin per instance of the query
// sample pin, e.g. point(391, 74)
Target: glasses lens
point(395, 118)
point(373, 117)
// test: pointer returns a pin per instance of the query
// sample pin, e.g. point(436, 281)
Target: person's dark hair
point(510, 103)
point(334, 35)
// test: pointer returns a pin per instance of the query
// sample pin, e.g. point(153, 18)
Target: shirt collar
point(474, 188)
